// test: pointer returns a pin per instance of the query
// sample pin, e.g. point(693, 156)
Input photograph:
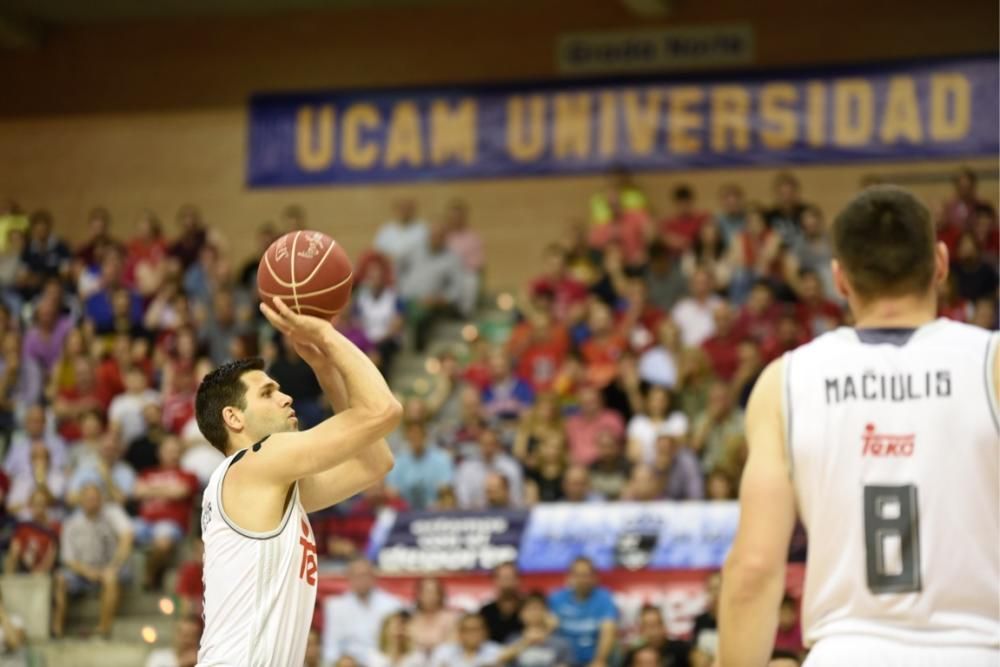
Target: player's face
point(268, 409)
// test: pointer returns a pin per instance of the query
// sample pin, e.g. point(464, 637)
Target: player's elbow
point(389, 415)
point(386, 462)
point(383, 417)
point(745, 575)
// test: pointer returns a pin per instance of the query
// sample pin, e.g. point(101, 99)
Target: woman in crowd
point(433, 623)
point(544, 477)
point(395, 647)
point(539, 423)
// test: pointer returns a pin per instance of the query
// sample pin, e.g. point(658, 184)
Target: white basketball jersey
point(260, 588)
point(892, 439)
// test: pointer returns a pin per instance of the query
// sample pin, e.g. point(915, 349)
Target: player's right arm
point(373, 411)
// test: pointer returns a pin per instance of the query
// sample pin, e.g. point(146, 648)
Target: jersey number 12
point(892, 539)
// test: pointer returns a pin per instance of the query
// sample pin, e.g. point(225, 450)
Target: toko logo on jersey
point(307, 570)
point(881, 444)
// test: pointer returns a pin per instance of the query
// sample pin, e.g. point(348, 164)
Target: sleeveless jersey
point(260, 588)
point(892, 438)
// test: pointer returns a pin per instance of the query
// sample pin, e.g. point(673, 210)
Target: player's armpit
point(289, 457)
point(753, 578)
point(342, 481)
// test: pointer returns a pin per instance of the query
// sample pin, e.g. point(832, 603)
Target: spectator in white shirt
point(34, 429)
point(126, 409)
point(656, 419)
point(184, 652)
point(472, 648)
point(380, 312)
point(471, 474)
point(695, 314)
point(352, 621)
point(399, 238)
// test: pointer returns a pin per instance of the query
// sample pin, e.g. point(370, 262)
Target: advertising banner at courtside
point(901, 111)
point(627, 536)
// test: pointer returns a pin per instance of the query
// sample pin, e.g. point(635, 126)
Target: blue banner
point(936, 109)
point(659, 536)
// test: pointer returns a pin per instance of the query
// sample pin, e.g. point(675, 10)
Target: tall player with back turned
point(260, 552)
point(884, 437)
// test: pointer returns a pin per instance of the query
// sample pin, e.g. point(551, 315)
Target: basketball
point(309, 271)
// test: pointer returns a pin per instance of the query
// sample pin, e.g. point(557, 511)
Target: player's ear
point(940, 263)
point(233, 418)
point(840, 279)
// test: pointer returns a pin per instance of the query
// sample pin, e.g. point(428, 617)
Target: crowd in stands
point(624, 377)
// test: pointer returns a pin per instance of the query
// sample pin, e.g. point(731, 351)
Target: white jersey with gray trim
point(260, 588)
point(892, 438)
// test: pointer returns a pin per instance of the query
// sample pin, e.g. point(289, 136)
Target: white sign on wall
point(653, 50)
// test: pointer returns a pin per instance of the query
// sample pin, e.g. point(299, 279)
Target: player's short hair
point(222, 388)
point(884, 239)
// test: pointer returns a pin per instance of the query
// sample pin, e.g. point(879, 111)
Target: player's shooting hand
point(311, 354)
point(299, 328)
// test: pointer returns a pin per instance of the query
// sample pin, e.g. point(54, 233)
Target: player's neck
point(904, 312)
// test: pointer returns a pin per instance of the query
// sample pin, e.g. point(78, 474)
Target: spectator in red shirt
point(787, 336)
point(192, 237)
point(98, 235)
point(347, 533)
point(477, 371)
point(583, 428)
point(539, 345)
point(178, 401)
point(950, 304)
point(190, 586)
point(603, 348)
point(165, 494)
point(556, 282)
point(958, 214)
point(987, 231)
point(629, 229)
point(788, 641)
point(33, 548)
point(721, 346)
point(679, 231)
point(816, 313)
point(72, 401)
point(145, 256)
point(760, 314)
point(755, 254)
point(639, 319)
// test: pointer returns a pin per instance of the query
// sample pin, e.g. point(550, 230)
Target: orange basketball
point(309, 271)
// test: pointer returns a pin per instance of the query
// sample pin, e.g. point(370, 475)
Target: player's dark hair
point(220, 389)
point(884, 239)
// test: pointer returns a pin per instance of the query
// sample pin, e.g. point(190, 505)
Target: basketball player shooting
point(260, 553)
point(885, 437)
